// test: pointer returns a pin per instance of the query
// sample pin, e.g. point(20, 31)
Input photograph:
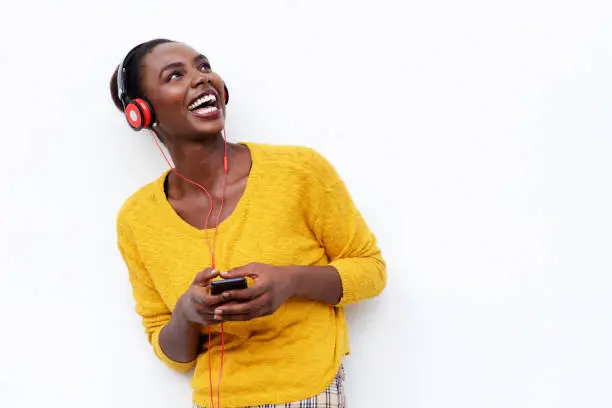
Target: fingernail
point(226, 295)
point(218, 311)
point(217, 317)
point(213, 272)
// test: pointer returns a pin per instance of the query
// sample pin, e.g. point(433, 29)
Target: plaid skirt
point(332, 397)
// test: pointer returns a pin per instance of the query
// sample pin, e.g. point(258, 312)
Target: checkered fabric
point(332, 397)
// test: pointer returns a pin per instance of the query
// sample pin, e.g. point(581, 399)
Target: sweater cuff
point(350, 284)
point(178, 366)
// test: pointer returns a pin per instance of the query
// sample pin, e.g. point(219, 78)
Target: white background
point(474, 136)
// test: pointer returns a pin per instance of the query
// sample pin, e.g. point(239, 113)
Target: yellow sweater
point(295, 210)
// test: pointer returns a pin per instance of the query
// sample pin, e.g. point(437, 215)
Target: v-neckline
point(227, 223)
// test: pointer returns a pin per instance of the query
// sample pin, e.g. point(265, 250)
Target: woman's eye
point(174, 75)
point(205, 66)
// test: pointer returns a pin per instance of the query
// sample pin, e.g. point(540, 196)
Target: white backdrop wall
point(474, 136)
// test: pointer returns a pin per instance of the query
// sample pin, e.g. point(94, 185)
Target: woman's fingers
point(200, 295)
point(203, 278)
point(235, 311)
point(250, 293)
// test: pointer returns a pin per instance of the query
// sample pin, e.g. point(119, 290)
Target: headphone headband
point(138, 112)
point(122, 79)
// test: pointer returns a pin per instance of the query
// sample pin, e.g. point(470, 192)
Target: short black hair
point(132, 68)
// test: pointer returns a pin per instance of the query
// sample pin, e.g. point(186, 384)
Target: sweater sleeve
point(340, 228)
point(149, 305)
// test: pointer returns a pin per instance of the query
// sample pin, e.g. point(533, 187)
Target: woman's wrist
point(180, 316)
point(291, 283)
point(320, 283)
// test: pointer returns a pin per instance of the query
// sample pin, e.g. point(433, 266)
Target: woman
point(278, 215)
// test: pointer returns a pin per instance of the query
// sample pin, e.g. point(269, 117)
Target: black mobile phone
point(220, 286)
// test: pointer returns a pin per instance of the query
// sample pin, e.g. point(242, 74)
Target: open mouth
point(204, 105)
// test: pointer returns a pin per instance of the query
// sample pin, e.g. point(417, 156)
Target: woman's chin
point(209, 127)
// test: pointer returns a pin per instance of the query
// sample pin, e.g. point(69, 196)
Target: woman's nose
point(200, 78)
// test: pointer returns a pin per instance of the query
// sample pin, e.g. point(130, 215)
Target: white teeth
point(204, 111)
point(202, 100)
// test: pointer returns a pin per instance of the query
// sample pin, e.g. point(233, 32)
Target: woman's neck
point(200, 161)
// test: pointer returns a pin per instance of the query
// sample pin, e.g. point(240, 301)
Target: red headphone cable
point(212, 252)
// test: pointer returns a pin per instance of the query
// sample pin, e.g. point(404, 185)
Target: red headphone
point(139, 112)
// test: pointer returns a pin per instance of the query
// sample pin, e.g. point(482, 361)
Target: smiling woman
point(283, 220)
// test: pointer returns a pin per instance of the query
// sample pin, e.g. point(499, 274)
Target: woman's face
point(188, 98)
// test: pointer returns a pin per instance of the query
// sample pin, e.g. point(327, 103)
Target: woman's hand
point(273, 286)
point(197, 305)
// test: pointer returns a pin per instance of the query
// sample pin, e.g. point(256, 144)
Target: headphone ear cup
point(147, 112)
point(226, 92)
point(139, 114)
point(134, 115)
